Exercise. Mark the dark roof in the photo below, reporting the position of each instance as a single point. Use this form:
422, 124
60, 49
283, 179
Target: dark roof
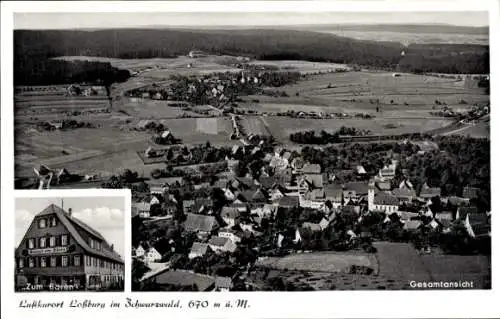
383, 186
317, 193
195, 222
289, 201
184, 278
70, 222
221, 183
385, 199
359, 187
268, 182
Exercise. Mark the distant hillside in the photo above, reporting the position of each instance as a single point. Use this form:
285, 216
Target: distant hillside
32, 48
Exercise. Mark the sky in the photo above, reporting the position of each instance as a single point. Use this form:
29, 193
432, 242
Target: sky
122, 20
104, 214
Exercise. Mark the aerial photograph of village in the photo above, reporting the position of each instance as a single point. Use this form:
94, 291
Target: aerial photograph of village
269, 151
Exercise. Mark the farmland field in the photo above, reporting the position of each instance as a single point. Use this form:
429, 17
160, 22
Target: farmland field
401, 262
322, 262
281, 127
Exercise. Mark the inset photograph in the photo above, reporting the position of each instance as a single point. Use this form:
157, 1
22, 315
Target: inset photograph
69, 243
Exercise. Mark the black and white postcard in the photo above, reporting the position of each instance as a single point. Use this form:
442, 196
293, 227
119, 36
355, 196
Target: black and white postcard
299, 155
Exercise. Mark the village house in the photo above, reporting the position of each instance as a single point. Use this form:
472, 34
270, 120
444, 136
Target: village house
152, 255
139, 251
198, 250
334, 194
388, 172
58, 248
223, 284
187, 206
381, 201
429, 192
230, 215
288, 202
231, 235
221, 244
312, 226
201, 224
142, 209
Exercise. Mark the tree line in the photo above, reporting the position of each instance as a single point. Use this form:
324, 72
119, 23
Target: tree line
259, 44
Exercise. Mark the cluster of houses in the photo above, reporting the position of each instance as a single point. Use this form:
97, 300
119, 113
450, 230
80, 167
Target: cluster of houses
294, 184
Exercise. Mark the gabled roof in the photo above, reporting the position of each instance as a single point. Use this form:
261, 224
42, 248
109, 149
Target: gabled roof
444, 215
360, 170
412, 224
268, 182
314, 194
311, 168
72, 223
333, 191
288, 201
383, 186
218, 241
359, 187
199, 248
385, 199
430, 191
195, 222
314, 180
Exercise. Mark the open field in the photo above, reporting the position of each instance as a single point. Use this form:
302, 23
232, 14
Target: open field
281, 127
322, 262
163, 68
304, 67
401, 262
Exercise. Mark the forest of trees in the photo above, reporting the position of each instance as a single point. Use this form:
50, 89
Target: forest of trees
257, 43
42, 70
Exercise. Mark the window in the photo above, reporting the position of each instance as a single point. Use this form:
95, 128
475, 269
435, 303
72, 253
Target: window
101, 264
31, 262
91, 243
43, 242
42, 223
52, 241
64, 261
64, 240
21, 262
76, 260
31, 243
94, 261
53, 261
88, 261
43, 262
53, 221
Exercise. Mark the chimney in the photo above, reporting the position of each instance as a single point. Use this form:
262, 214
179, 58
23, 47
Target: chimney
70, 212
